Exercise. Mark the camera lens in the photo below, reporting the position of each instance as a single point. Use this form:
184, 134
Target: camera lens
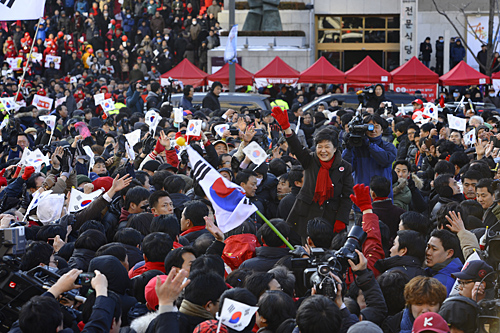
324, 269
370, 127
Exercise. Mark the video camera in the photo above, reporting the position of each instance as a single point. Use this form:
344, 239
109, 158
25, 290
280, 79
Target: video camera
316, 269
357, 131
366, 94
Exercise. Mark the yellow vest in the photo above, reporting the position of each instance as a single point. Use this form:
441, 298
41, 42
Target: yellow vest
281, 103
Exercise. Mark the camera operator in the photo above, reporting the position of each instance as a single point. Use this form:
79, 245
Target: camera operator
376, 98
43, 313
374, 156
134, 99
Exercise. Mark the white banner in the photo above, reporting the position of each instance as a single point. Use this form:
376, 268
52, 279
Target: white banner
55, 59
14, 63
42, 102
231, 205
264, 82
12, 10
133, 137
98, 98
477, 35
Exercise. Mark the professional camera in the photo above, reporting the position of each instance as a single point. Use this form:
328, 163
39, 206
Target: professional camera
315, 271
366, 94
357, 131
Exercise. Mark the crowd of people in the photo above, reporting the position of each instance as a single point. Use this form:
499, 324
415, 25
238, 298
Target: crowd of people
400, 207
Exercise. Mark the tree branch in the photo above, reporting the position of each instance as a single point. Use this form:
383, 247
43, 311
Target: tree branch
443, 13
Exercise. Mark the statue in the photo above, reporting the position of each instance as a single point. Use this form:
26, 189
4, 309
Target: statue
263, 16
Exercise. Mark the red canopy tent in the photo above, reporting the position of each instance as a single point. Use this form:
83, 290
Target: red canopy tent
414, 72
243, 77
463, 75
322, 71
413, 76
496, 76
276, 72
188, 73
367, 71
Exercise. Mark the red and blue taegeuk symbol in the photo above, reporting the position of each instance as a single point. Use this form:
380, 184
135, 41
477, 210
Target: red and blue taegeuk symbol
85, 203
151, 119
256, 153
191, 127
235, 317
225, 197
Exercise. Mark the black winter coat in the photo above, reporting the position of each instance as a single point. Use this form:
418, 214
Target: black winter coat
266, 258
211, 101
305, 208
409, 265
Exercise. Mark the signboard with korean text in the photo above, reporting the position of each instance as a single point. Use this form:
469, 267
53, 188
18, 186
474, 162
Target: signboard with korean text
429, 91
408, 31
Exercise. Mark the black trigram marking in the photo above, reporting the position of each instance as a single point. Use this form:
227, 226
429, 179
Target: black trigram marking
9, 4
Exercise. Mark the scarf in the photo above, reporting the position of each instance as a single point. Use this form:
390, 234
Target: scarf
437, 267
194, 310
324, 186
193, 229
407, 321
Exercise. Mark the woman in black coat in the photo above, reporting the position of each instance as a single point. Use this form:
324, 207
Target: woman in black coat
328, 181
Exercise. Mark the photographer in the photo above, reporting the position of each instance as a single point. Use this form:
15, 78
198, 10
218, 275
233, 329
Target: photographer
374, 156
377, 97
43, 313
134, 99
154, 100
327, 180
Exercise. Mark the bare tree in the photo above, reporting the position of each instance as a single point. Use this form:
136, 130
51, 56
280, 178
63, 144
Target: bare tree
491, 43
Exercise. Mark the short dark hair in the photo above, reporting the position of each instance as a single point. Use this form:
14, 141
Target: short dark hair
155, 196
269, 237
167, 224
141, 222
444, 167
237, 277
487, 183
128, 236
158, 178
142, 176
135, 195
36, 253
187, 89
285, 278
215, 85
471, 174
442, 185
327, 134
90, 240
40, 314
208, 263
31, 182
91, 224
258, 283
195, 211
174, 257
205, 287
376, 119
381, 186
415, 221
277, 167
156, 246
401, 126
318, 313
448, 239
320, 232
296, 174
413, 241
402, 162
243, 176
392, 283
174, 184
459, 158
115, 249
276, 306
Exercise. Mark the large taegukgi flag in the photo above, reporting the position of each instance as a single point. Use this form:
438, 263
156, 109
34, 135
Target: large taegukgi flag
231, 205
12, 10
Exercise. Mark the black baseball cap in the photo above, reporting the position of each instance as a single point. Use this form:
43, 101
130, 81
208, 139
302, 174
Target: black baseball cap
473, 270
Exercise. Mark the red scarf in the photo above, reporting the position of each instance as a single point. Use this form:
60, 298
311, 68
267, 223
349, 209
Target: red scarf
324, 186
193, 229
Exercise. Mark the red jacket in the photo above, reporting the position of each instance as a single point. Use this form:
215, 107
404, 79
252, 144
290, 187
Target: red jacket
372, 247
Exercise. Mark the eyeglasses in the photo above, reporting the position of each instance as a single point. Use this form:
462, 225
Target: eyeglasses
464, 283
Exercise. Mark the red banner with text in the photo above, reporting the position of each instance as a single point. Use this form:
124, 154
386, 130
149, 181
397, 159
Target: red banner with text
429, 91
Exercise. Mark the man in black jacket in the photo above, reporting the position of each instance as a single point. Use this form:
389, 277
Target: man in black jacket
272, 248
153, 100
211, 100
407, 254
426, 50
295, 181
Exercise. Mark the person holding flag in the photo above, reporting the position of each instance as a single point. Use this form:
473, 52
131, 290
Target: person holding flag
328, 181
